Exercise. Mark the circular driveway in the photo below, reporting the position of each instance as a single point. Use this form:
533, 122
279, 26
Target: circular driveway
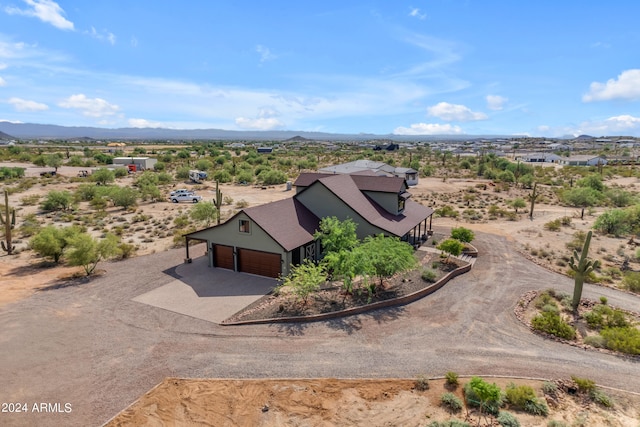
93, 346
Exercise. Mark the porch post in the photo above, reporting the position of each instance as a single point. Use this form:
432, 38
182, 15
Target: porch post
187, 260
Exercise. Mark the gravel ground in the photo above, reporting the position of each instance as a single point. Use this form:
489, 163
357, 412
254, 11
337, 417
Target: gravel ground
92, 347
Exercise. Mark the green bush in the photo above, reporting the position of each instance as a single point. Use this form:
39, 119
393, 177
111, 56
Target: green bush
446, 211
631, 281
554, 225
553, 324
506, 419
595, 341
490, 406
518, 396
451, 402
584, 385
428, 275
421, 383
452, 378
462, 234
623, 339
556, 423
549, 388
536, 407
601, 398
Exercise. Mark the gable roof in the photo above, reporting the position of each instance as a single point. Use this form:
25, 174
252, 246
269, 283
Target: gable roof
287, 221
365, 181
345, 188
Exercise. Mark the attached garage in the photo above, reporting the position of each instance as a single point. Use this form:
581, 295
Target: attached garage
260, 263
223, 256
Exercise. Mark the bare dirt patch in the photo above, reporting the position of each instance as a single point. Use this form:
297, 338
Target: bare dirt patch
329, 402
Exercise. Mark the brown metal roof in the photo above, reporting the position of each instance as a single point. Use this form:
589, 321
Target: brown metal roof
367, 181
345, 188
287, 221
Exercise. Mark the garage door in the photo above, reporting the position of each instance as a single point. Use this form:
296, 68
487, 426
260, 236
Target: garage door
260, 263
223, 256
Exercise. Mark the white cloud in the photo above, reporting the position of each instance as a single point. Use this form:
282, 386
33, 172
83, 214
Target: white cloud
626, 86
45, 10
3, 82
134, 42
265, 53
415, 13
428, 129
104, 36
95, 107
24, 105
613, 126
260, 123
143, 123
454, 112
3, 66
496, 102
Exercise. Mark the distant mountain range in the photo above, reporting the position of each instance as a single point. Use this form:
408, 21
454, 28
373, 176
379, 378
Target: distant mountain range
40, 131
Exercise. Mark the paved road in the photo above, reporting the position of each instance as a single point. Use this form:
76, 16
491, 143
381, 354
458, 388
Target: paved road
93, 347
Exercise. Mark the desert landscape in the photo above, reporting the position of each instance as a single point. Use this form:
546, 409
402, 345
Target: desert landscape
26, 276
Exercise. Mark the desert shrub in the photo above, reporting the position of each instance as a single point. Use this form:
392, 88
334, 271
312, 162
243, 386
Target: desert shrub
452, 378
631, 281
428, 275
556, 423
421, 383
240, 204
519, 395
451, 402
536, 407
222, 176
623, 339
601, 398
448, 423
595, 341
272, 177
584, 385
30, 200
545, 298
565, 220
507, 419
577, 242
126, 250
553, 324
549, 388
554, 225
604, 316
551, 308
447, 211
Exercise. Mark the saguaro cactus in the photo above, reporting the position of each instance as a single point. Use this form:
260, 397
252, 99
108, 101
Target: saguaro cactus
9, 221
533, 197
218, 201
582, 269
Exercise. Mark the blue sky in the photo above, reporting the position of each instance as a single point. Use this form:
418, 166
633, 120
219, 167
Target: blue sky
539, 68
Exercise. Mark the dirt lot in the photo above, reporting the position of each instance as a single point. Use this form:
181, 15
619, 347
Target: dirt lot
330, 402
91, 346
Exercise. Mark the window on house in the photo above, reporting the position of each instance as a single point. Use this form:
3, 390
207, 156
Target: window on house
400, 204
244, 226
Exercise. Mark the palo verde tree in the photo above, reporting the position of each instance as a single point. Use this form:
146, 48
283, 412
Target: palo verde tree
51, 241
204, 212
386, 256
462, 234
582, 268
87, 251
451, 247
338, 239
304, 279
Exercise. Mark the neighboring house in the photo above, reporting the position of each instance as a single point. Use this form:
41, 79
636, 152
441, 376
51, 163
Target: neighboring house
378, 168
539, 157
268, 239
582, 160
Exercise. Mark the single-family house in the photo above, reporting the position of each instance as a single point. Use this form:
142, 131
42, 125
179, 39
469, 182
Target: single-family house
538, 157
267, 239
582, 160
378, 168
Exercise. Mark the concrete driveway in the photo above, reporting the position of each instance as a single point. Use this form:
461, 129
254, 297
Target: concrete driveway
211, 294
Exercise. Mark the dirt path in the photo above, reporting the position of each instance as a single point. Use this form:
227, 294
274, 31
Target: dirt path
92, 347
